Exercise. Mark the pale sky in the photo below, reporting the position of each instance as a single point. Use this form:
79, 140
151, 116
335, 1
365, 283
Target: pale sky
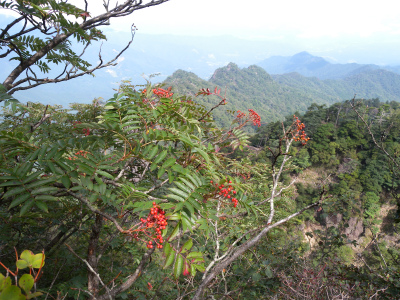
316, 24
273, 19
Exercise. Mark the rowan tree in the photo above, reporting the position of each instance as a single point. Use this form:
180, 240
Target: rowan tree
114, 192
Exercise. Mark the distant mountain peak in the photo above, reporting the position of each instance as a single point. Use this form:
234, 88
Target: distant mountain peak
233, 70
303, 54
309, 65
231, 66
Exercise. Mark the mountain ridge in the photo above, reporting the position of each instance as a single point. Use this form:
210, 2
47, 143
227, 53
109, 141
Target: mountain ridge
309, 65
276, 96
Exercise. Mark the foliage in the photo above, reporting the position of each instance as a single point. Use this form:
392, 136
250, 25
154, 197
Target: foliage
104, 186
26, 281
363, 179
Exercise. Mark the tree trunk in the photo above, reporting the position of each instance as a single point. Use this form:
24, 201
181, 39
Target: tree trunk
93, 281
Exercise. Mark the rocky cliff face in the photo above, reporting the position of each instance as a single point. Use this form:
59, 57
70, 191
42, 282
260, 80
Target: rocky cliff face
354, 230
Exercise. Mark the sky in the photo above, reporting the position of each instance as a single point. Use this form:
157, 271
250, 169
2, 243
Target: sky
314, 25
262, 19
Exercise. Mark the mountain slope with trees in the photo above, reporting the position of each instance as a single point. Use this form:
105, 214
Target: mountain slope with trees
279, 95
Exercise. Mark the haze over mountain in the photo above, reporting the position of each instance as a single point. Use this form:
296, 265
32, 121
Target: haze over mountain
276, 95
313, 66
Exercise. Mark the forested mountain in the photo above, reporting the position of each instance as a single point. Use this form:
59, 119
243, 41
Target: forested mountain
313, 66
245, 88
276, 96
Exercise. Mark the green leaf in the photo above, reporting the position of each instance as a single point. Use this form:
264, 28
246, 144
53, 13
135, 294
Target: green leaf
179, 169
41, 205
160, 157
38, 261
168, 163
28, 205
18, 200
28, 256
167, 249
187, 224
26, 282
186, 140
52, 152
178, 266
153, 166
32, 176
105, 174
175, 232
189, 207
170, 259
203, 154
187, 246
153, 152
201, 267
268, 272
183, 187
12, 293
192, 270
44, 190
66, 181
13, 192
22, 264
173, 217
195, 255
179, 192
4, 282
11, 183
40, 183
175, 197
46, 198
160, 172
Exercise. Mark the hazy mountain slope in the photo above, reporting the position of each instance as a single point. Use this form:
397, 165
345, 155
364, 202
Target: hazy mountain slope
246, 88
313, 66
368, 84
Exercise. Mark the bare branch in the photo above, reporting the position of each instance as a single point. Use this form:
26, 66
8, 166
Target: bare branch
91, 270
121, 10
43, 119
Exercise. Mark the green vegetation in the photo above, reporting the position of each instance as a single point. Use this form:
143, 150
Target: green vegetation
276, 96
144, 196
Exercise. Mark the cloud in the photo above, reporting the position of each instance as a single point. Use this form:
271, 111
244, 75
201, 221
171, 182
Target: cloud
120, 59
111, 72
211, 56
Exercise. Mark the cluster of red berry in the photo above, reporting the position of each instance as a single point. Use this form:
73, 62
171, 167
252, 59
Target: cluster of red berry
80, 152
156, 220
161, 93
240, 115
227, 192
85, 131
298, 133
255, 117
